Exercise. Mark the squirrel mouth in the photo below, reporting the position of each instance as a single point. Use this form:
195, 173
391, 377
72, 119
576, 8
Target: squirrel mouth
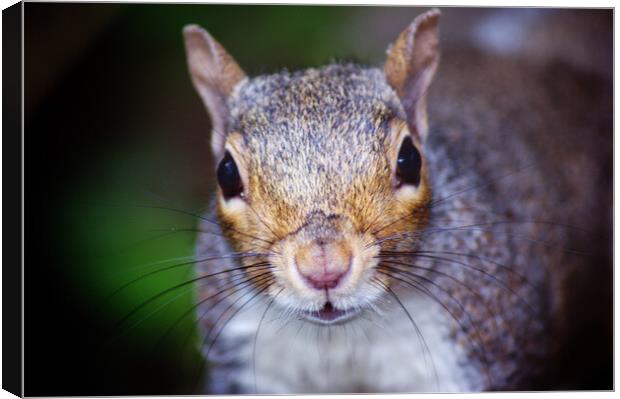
328, 314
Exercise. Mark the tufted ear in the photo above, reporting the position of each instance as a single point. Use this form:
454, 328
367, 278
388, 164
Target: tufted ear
214, 74
411, 64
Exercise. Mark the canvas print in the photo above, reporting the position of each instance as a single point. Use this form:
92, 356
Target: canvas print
235, 199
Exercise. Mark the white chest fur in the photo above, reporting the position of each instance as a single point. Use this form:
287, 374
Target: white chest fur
374, 353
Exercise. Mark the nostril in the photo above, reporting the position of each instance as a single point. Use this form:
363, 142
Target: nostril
325, 281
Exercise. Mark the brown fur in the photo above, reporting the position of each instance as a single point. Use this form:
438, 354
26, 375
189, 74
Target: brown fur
316, 151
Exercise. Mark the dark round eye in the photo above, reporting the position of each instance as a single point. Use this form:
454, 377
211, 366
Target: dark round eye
409, 163
228, 177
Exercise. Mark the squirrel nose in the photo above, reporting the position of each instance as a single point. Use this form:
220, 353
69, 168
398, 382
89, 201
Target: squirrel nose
324, 281
323, 265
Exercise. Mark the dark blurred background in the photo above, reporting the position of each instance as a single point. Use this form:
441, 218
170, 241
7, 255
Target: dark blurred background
114, 129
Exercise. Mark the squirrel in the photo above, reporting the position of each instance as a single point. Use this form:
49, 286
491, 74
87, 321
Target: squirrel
357, 244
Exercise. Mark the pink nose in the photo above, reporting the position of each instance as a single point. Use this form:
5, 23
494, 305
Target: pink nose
323, 265
324, 280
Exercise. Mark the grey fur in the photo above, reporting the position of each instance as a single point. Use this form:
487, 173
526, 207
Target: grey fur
528, 158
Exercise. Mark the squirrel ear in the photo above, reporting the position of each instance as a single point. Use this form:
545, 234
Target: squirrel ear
411, 64
214, 74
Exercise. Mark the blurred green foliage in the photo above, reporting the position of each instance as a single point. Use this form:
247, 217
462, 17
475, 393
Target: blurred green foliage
130, 250
257, 36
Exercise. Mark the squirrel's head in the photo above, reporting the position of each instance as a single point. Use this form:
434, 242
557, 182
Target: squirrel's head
323, 169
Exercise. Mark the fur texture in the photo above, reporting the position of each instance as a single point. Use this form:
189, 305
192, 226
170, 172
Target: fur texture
477, 297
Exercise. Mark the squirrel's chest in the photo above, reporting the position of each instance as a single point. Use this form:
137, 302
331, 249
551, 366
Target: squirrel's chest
384, 353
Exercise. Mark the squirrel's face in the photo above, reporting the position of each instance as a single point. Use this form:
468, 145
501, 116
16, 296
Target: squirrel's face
324, 179
322, 170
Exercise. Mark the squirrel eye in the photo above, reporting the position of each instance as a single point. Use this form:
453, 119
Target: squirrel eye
228, 177
409, 163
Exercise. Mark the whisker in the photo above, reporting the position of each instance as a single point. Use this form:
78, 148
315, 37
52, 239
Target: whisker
201, 231
199, 217
147, 316
233, 315
203, 218
425, 349
189, 263
157, 309
481, 258
480, 345
256, 337
452, 278
475, 227
119, 273
260, 219
408, 215
206, 355
171, 289
133, 245
485, 212
468, 266
547, 244
480, 185
194, 215
246, 281
227, 321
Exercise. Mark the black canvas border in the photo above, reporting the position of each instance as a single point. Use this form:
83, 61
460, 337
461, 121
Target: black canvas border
12, 287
